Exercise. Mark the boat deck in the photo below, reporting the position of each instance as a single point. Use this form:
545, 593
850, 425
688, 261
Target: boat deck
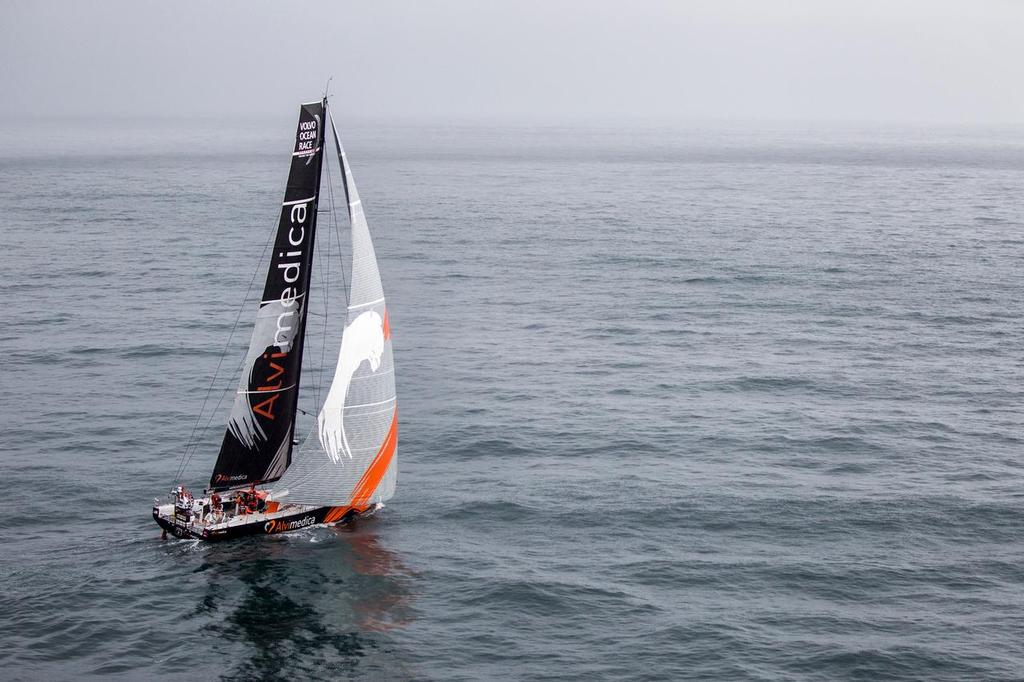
194, 523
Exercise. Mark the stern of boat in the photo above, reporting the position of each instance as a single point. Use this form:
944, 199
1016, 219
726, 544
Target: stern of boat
164, 515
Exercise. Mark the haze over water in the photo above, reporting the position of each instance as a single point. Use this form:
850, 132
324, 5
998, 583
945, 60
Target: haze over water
674, 403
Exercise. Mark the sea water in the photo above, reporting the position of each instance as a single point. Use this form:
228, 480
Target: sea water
675, 402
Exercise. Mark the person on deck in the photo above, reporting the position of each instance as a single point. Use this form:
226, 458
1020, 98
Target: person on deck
250, 499
216, 508
182, 497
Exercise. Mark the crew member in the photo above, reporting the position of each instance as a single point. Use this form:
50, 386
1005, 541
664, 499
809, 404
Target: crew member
250, 498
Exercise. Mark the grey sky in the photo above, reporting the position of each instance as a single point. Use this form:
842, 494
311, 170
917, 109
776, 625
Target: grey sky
934, 61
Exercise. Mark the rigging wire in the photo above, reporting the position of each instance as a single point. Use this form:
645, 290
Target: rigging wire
185, 455
325, 278
348, 213
213, 415
325, 259
337, 230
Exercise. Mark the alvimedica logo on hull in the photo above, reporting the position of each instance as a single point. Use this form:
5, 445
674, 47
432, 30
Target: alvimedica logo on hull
276, 526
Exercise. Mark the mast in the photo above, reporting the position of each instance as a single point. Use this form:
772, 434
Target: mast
257, 445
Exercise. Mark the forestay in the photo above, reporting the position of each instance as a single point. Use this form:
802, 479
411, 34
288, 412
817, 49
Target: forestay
350, 458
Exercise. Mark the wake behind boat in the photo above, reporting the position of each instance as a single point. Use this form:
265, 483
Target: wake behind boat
347, 465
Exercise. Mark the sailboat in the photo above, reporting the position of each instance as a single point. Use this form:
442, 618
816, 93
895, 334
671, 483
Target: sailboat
265, 480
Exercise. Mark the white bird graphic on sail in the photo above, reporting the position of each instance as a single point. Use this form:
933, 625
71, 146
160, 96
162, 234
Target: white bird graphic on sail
362, 341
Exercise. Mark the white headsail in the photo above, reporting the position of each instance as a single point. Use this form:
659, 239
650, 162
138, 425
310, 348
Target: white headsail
350, 458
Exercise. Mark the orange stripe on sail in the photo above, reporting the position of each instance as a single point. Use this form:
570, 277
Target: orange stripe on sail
386, 325
378, 467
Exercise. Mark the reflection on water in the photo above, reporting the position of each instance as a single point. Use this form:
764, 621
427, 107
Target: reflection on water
314, 602
381, 609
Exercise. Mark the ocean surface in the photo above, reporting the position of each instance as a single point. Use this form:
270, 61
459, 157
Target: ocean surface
729, 402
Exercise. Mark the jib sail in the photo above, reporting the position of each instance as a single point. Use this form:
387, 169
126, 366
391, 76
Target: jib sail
257, 446
350, 458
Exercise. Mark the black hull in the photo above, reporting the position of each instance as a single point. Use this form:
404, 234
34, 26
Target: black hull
272, 526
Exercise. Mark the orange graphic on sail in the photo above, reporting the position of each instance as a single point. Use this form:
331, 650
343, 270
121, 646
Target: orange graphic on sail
378, 467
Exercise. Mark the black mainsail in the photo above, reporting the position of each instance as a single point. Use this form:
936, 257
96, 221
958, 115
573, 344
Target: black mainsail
257, 446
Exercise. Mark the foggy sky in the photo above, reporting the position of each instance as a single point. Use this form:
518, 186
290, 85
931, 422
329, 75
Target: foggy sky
886, 61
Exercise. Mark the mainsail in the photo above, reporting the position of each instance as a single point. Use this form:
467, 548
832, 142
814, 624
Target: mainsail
257, 446
350, 458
